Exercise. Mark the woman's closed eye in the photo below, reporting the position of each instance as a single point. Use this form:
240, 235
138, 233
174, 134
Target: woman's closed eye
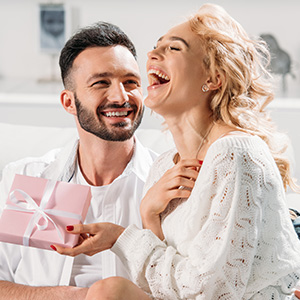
173, 48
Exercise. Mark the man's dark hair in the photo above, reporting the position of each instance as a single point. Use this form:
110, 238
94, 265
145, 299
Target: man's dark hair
101, 34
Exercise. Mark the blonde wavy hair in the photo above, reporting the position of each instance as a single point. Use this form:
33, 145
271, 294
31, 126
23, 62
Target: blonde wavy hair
246, 86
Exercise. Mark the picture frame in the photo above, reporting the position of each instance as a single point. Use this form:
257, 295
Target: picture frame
54, 27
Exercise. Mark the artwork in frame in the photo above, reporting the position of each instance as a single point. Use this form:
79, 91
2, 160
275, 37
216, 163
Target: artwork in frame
54, 27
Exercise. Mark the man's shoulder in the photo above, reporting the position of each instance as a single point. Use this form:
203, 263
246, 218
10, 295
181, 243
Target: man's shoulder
32, 166
50, 164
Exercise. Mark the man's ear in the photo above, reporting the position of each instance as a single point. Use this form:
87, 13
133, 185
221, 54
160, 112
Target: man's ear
68, 102
215, 83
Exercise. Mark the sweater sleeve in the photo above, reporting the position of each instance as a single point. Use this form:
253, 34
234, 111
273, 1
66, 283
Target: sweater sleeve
223, 218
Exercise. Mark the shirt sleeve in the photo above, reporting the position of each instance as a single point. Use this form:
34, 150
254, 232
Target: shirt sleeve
222, 243
9, 254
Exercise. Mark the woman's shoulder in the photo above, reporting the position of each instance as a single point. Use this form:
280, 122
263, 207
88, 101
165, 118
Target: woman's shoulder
238, 141
239, 145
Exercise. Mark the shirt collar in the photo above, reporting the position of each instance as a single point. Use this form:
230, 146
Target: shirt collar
64, 167
141, 161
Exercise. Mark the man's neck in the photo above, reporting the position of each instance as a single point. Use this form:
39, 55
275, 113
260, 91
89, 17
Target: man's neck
101, 162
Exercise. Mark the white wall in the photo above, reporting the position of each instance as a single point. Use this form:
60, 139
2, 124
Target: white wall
144, 21
22, 64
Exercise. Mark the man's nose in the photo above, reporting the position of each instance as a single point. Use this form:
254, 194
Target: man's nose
117, 93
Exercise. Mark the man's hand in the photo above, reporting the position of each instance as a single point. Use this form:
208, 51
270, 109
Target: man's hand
94, 238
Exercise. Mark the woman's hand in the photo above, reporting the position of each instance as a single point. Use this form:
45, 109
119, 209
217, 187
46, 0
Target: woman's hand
177, 182
94, 238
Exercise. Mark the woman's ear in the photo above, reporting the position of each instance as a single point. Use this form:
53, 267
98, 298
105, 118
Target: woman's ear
68, 102
215, 83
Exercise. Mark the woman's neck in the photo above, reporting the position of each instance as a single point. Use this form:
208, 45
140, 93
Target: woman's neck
190, 136
192, 139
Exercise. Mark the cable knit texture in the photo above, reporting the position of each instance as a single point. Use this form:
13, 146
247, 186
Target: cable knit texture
231, 239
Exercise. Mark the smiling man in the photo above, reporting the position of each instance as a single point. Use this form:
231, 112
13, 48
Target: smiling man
103, 92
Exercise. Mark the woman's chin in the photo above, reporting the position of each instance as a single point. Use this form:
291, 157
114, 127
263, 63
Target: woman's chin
151, 102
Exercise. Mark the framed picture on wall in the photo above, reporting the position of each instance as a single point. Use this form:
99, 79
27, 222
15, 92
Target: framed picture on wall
53, 27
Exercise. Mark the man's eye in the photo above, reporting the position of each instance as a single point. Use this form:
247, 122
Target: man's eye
174, 48
100, 83
131, 81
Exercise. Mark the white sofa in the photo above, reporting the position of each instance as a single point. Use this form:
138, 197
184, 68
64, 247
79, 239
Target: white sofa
18, 141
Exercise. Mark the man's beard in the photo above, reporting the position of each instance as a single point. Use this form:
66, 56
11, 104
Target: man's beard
118, 132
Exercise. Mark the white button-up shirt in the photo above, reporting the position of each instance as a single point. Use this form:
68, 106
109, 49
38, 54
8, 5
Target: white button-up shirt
118, 203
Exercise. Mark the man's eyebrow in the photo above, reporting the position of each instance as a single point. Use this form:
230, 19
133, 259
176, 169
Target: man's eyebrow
133, 74
175, 38
99, 75
110, 74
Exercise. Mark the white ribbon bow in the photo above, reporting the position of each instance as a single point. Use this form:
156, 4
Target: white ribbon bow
39, 212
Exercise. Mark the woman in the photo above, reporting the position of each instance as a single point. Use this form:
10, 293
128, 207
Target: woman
215, 205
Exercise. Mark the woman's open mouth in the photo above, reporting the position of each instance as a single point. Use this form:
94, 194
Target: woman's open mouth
157, 77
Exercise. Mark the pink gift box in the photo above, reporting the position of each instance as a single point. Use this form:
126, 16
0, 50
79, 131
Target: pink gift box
38, 210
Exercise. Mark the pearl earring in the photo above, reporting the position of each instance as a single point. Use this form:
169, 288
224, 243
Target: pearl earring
205, 88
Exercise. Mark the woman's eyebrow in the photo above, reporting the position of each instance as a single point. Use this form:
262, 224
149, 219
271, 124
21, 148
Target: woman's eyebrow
175, 38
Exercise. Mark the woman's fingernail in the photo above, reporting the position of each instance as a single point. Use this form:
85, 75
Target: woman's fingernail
70, 227
53, 247
200, 162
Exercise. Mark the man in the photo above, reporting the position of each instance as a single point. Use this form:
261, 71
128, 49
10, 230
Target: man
103, 92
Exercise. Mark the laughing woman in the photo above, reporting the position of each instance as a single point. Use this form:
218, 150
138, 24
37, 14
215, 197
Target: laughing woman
214, 212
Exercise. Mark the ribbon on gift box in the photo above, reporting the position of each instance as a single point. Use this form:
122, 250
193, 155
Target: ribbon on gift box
39, 212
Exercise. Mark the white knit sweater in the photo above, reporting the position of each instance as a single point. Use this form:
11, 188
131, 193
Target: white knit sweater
232, 239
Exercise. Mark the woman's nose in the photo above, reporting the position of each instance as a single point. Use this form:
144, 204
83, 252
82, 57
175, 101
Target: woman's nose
153, 54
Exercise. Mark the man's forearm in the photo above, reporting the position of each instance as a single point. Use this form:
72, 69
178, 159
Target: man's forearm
13, 291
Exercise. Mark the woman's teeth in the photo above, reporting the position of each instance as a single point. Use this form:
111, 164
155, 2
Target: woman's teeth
158, 76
